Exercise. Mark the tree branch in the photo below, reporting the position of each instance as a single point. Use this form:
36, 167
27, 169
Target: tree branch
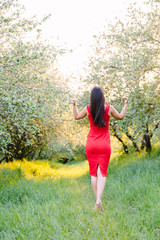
11, 65
5, 3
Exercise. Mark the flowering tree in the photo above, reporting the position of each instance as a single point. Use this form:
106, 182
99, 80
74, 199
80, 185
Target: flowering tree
28, 97
127, 62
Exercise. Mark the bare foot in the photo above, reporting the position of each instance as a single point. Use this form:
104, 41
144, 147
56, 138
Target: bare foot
97, 207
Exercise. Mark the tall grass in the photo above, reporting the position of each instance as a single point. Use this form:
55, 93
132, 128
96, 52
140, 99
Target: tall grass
44, 208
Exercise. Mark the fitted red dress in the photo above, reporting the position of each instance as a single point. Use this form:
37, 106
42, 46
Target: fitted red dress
98, 148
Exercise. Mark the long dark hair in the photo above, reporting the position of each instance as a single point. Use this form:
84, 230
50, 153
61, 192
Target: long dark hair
97, 101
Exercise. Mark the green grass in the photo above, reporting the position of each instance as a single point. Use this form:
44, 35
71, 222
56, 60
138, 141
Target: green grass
61, 208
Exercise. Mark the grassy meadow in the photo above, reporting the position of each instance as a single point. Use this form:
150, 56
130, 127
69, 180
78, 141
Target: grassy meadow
43, 200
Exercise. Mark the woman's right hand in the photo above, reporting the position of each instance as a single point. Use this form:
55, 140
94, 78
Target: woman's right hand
126, 99
74, 101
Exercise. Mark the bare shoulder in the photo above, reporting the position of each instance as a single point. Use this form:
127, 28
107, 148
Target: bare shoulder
85, 110
86, 107
110, 109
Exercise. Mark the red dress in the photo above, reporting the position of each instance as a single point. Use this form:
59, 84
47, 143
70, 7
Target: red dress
98, 149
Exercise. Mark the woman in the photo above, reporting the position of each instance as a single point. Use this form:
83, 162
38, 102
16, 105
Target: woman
98, 149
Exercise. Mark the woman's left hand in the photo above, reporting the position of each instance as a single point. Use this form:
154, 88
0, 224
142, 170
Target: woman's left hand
126, 99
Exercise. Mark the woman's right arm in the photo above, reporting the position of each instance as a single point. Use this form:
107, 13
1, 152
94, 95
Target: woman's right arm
114, 113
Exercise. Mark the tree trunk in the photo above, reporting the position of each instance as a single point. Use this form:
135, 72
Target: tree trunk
125, 148
146, 141
133, 142
124, 145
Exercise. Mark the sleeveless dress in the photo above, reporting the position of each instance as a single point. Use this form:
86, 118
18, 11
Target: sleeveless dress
98, 148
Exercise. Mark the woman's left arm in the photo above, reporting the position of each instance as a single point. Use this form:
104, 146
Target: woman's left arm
81, 114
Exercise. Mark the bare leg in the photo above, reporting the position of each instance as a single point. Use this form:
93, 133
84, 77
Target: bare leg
100, 185
94, 185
